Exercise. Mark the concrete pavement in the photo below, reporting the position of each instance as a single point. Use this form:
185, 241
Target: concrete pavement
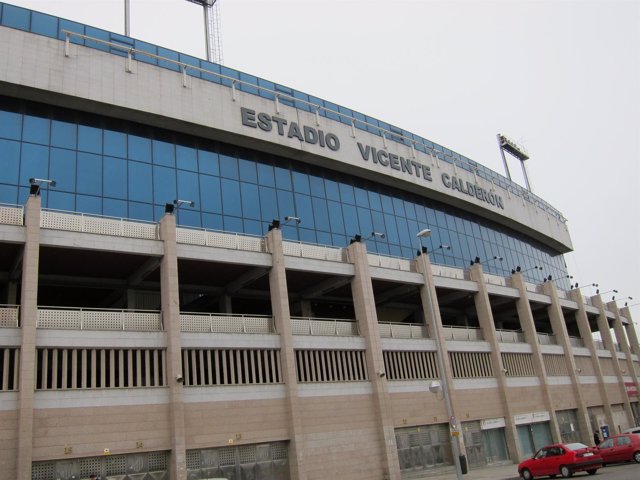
499, 472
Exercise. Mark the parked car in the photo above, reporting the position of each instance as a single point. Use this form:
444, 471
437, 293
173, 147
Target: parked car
620, 448
561, 459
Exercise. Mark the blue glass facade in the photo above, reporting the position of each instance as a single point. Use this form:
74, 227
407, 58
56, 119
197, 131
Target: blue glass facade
121, 169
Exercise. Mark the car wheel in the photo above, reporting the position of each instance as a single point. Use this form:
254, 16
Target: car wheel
636, 457
565, 471
526, 475
592, 472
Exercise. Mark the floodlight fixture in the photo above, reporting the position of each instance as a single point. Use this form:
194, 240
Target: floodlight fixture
290, 218
357, 238
179, 203
36, 183
608, 291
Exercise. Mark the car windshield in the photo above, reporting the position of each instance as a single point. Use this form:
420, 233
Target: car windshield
575, 446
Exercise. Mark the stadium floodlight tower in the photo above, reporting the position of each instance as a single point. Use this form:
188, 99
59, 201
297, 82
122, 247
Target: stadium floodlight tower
212, 29
517, 151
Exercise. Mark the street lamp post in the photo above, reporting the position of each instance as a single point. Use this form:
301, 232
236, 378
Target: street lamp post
440, 359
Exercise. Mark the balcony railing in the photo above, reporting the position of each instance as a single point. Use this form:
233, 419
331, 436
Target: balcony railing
226, 323
9, 316
403, 330
99, 319
469, 334
510, 336
384, 261
547, 339
599, 345
309, 250
11, 214
576, 342
86, 223
324, 326
212, 238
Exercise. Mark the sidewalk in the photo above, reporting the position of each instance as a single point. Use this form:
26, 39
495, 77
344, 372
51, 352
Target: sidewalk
501, 472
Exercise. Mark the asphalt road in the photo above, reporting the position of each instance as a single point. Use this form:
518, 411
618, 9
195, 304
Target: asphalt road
621, 471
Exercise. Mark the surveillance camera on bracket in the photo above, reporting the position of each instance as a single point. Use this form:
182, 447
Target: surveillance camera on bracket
179, 378
435, 386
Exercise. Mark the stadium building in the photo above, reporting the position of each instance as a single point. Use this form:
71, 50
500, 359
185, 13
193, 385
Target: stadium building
204, 274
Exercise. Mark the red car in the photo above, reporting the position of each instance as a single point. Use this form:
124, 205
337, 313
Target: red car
561, 459
620, 448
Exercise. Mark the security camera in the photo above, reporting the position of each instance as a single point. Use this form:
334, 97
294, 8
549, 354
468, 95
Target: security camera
435, 386
382, 374
179, 378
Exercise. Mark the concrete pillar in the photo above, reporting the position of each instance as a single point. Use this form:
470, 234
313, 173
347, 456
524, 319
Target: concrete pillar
562, 338
433, 321
607, 338
170, 303
282, 319
365, 309
632, 335
587, 339
618, 329
528, 326
485, 319
28, 322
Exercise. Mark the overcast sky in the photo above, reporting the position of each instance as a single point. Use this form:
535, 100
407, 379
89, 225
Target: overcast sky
560, 77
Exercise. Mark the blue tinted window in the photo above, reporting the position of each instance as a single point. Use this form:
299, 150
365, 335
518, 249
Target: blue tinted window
331, 188
188, 186
265, 175
72, 27
115, 178
139, 148
186, 158
115, 144
164, 184
301, 183
335, 219
89, 169
269, 204
212, 222
286, 204
15, 17
231, 202
44, 24
346, 194
283, 178
140, 186
364, 219
8, 194
320, 213
35, 130
317, 186
362, 198
34, 163
63, 134
232, 224
114, 208
228, 167
248, 171
89, 204
10, 155
391, 230
63, 169
304, 209
89, 139
250, 201
350, 220
188, 217
163, 153
60, 200
141, 211
210, 198
208, 162
10, 125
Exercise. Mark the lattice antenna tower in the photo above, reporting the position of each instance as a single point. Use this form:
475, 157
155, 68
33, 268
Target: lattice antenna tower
213, 29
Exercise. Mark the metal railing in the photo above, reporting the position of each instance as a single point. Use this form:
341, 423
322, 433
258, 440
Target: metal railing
386, 134
215, 238
9, 316
99, 319
11, 214
99, 224
470, 334
311, 250
226, 323
386, 261
547, 339
510, 336
403, 330
324, 326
